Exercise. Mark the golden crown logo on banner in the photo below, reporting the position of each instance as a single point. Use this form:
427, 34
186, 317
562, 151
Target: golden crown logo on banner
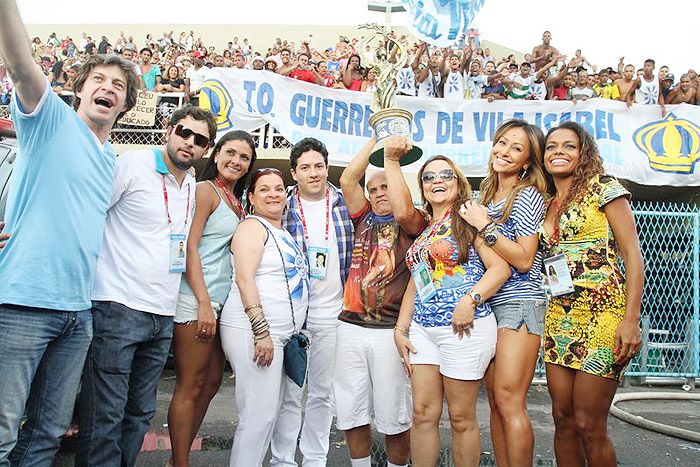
215, 98
672, 144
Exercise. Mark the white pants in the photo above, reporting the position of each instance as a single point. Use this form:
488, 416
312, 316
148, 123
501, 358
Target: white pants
370, 381
258, 395
318, 417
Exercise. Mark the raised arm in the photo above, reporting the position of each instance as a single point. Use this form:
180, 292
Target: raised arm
347, 75
405, 213
16, 53
562, 72
351, 176
544, 69
466, 57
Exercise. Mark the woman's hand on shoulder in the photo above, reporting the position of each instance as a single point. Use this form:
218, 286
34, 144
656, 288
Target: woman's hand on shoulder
475, 214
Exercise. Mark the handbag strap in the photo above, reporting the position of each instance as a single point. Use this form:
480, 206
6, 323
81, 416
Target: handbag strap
284, 271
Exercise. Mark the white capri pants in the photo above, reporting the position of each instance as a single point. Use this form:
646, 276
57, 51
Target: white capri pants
258, 395
465, 359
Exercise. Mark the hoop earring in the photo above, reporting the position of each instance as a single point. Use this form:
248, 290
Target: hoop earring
523, 173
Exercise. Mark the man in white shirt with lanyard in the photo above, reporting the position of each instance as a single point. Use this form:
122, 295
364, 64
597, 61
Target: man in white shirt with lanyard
136, 288
318, 219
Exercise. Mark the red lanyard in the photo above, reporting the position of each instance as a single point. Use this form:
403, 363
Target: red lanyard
167, 210
555, 233
230, 198
303, 219
426, 238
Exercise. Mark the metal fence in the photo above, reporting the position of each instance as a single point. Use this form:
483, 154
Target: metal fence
669, 235
670, 238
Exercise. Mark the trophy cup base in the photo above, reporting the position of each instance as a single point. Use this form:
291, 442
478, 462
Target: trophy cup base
389, 122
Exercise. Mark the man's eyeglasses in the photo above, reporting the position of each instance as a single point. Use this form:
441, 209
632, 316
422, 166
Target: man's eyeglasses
184, 133
444, 175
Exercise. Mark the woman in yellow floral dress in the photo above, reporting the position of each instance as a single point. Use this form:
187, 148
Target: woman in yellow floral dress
591, 333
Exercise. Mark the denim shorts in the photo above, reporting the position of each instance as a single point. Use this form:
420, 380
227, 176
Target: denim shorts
514, 313
187, 306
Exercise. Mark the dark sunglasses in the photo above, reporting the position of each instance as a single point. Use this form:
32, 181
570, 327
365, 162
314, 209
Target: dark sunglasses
444, 175
184, 133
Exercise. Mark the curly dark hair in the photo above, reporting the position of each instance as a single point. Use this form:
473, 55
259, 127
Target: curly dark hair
305, 145
589, 165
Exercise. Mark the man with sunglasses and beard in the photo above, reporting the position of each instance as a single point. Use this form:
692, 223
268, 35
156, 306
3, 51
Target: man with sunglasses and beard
136, 288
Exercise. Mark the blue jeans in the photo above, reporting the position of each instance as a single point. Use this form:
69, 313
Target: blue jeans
42, 353
118, 397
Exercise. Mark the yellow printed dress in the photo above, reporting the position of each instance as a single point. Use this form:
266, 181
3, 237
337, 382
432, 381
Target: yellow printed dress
579, 328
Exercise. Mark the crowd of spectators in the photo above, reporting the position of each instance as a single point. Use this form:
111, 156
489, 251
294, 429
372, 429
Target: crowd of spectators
180, 64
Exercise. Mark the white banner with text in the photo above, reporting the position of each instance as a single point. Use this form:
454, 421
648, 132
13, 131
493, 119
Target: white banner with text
637, 143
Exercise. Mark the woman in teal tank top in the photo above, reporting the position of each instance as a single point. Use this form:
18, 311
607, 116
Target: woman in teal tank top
199, 358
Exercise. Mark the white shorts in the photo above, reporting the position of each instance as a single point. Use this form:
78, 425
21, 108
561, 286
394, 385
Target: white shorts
464, 359
369, 379
187, 306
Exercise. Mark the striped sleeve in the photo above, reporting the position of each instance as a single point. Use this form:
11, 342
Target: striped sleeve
527, 212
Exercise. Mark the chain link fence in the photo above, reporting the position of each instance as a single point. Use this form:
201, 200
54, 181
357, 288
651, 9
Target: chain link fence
670, 239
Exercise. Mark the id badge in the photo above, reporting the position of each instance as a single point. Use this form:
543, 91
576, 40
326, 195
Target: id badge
318, 262
558, 275
424, 282
178, 252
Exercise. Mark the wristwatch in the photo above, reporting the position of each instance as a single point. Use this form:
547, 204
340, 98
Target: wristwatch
476, 298
489, 234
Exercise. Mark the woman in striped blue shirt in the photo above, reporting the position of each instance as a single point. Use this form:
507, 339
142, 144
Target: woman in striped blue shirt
507, 217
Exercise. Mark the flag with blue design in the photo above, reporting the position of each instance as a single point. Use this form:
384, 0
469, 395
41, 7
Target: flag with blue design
441, 23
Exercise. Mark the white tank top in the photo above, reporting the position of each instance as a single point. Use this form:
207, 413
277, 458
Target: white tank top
454, 85
406, 81
648, 92
271, 285
428, 88
538, 90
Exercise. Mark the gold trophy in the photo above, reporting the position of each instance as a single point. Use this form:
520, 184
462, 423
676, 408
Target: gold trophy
387, 120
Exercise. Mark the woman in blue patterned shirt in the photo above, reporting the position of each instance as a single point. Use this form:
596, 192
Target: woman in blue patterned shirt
452, 330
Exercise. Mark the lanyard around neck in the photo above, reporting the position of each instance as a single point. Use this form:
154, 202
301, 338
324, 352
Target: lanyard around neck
303, 218
237, 203
167, 209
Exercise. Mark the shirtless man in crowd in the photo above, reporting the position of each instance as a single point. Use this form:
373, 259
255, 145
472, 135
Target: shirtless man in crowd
625, 83
543, 53
684, 93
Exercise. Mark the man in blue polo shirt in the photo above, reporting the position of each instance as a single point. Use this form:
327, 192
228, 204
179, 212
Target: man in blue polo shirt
60, 190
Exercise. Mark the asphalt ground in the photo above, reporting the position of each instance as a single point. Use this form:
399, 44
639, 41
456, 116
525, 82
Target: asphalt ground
635, 446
